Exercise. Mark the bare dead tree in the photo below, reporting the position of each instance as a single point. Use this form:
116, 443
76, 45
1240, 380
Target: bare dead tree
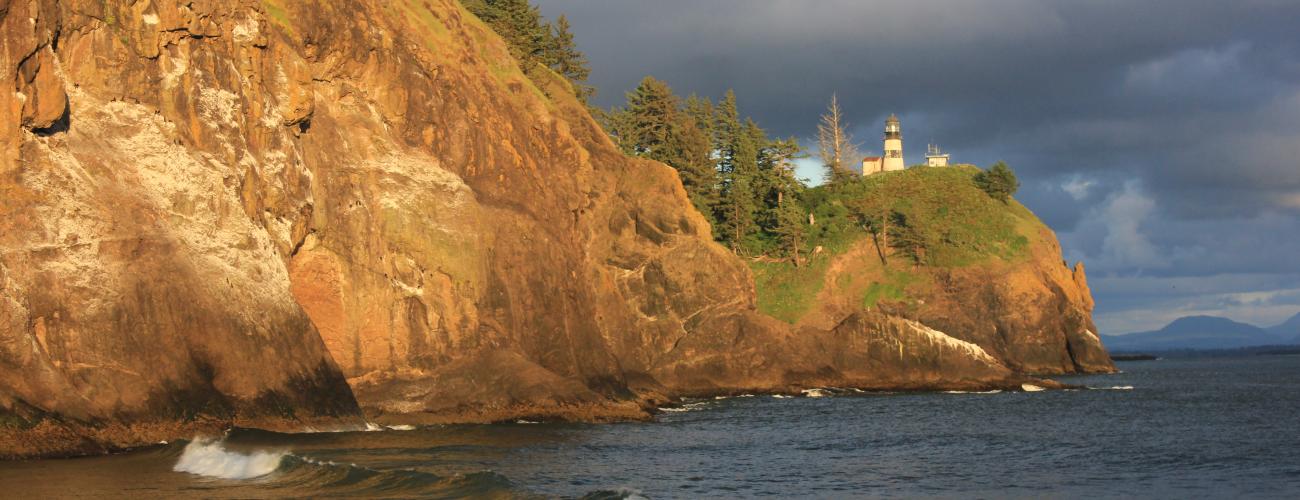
835, 145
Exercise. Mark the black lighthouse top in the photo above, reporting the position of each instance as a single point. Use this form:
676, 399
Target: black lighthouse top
892, 129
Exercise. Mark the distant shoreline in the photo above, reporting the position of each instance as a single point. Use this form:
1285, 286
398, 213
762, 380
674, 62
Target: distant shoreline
1150, 355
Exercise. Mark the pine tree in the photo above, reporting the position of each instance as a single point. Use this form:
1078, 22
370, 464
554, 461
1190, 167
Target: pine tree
701, 110
519, 23
617, 122
738, 165
654, 126
533, 41
789, 219
653, 109
564, 57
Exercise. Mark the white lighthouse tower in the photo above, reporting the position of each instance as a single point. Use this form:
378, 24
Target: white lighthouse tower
893, 145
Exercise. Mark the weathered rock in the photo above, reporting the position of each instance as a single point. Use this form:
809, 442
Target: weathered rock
251, 201
1032, 313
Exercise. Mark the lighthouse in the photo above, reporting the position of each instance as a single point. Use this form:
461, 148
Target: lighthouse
893, 159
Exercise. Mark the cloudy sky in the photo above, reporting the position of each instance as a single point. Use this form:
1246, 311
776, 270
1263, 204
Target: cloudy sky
1159, 138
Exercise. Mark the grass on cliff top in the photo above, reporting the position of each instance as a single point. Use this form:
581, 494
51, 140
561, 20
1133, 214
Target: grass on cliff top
959, 225
786, 292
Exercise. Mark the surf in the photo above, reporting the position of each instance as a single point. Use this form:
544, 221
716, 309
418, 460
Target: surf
209, 457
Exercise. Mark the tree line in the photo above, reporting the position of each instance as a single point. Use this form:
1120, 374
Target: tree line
741, 179
534, 42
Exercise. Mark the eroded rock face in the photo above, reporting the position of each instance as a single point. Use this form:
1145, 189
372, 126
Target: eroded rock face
240, 204
1034, 315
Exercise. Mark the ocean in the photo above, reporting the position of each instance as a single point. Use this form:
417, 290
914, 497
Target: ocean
1172, 428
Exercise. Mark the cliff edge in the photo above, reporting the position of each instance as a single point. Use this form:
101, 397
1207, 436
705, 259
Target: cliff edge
297, 215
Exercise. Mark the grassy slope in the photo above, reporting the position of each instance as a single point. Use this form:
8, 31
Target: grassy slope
962, 225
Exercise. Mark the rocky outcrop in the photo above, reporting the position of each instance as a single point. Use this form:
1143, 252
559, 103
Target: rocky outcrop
1032, 313
248, 213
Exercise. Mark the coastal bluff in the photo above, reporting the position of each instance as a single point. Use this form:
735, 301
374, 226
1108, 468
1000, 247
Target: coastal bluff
314, 215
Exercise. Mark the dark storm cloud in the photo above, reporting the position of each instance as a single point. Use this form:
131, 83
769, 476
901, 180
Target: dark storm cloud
1162, 138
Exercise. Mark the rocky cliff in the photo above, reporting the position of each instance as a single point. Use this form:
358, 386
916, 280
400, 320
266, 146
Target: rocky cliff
990, 273
305, 214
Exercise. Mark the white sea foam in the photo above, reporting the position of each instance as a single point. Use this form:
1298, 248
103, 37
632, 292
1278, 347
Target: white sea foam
780, 396
1114, 388
208, 457
687, 407
1031, 388
526, 422
994, 391
402, 427
816, 393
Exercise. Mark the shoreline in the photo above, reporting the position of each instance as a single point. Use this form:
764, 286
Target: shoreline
60, 440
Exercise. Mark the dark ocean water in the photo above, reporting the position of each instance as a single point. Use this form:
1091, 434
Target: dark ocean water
1217, 427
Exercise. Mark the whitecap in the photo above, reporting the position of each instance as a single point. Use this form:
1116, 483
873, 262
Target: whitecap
816, 393
1031, 388
994, 391
1114, 388
208, 457
781, 396
401, 427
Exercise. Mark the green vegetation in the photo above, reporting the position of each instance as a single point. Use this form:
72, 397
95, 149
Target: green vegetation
743, 182
893, 288
535, 43
999, 182
786, 292
920, 218
739, 178
934, 216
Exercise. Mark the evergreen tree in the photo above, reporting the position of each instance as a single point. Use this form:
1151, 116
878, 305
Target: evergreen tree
654, 126
563, 57
789, 219
653, 111
533, 41
519, 23
701, 110
998, 181
738, 165
791, 227
698, 172
617, 122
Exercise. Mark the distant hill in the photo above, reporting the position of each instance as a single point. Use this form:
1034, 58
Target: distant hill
1289, 329
1196, 332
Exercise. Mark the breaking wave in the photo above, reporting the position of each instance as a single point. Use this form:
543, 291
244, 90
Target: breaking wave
209, 457
994, 391
1113, 388
291, 475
